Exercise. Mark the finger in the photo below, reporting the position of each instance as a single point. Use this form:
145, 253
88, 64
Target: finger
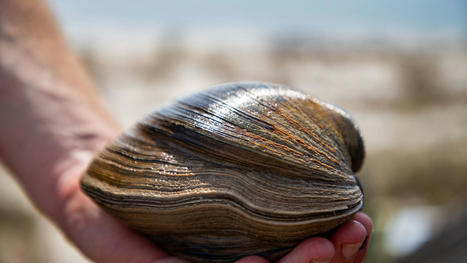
102, 238
252, 259
347, 240
315, 249
365, 220
368, 224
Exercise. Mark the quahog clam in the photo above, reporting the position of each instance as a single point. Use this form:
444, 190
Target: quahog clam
241, 169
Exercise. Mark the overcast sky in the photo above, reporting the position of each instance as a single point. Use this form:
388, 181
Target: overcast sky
365, 17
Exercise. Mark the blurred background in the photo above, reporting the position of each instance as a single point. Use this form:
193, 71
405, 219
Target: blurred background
399, 67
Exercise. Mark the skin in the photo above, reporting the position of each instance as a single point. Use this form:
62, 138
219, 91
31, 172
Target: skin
54, 122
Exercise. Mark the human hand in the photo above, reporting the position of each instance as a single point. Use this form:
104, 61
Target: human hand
53, 121
347, 244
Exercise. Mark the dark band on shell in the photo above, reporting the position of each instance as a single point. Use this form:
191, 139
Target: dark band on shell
241, 169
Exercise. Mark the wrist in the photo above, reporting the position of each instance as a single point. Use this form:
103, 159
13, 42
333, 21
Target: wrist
49, 132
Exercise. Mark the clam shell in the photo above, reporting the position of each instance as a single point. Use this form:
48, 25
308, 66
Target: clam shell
241, 169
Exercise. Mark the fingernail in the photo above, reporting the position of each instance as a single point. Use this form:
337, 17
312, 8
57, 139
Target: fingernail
349, 250
364, 243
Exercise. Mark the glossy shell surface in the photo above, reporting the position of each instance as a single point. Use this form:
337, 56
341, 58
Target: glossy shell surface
240, 169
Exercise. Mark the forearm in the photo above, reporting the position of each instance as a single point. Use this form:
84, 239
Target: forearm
52, 121
29, 26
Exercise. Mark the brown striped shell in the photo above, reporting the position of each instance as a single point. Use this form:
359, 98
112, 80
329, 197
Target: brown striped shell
241, 169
